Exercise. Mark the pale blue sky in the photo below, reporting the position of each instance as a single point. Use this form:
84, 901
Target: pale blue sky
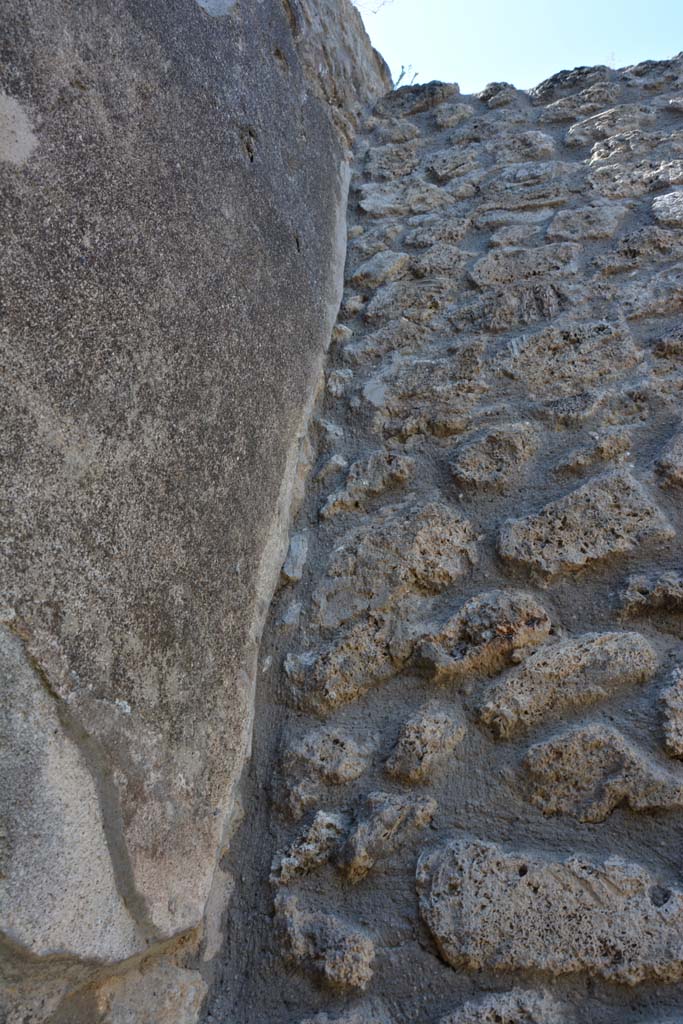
519, 41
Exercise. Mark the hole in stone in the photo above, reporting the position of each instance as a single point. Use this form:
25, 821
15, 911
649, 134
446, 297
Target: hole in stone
248, 136
523, 871
659, 895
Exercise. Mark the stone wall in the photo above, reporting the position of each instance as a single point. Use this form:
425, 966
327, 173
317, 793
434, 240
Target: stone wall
466, 796
463, 799
173, 182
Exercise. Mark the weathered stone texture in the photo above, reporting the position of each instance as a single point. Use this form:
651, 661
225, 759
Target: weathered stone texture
379, 828
477, 632
672, 700
487, 908
499, 636
511, 1008
340, 954
670, 465
149, 996
160, 212
566, 675
496, 458
311, 849
59, 892
324, 756
590, 771
424, 743
367, 478
490, 632
661, 592
608, 516
406, 550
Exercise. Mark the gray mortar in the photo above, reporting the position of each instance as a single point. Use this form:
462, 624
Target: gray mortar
481, 792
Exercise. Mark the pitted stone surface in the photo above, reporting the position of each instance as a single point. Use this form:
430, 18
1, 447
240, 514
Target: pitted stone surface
380, 826
608, 516
598, 221
522, 1007
497, 627
496, 458
654, 593
511, 308
670, 465
491, 631
612, 446
382, 267
424, 743
406, 550
567, 675
312, 848
520, 264
585, 102
589, 772
342, 672
326, 756
429, 395
392, 160
490, 909
326, 945
672, 701
568, 358
608, 123
367, 478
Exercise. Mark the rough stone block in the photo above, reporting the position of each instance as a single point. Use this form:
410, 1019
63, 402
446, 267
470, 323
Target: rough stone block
670, 464
491, 631
568, 358
566, 675
367, 478
60, 893
325, 756
157, 993
495, 458
672, 702
493, 910
608, 516
515, 265
405, 549
380, 827
655, 592
518, 1007
668, 209
310, 850
424, 743
590, 771
341, 955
